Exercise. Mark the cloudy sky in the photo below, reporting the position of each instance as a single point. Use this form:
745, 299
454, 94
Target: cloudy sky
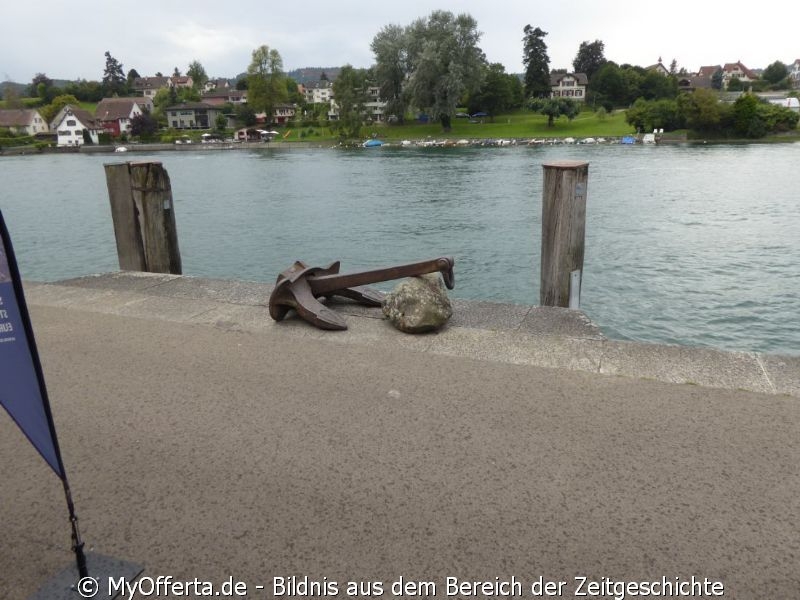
67, 40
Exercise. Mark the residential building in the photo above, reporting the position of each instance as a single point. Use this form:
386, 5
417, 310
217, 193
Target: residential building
115, 114
216, 84
149, 86
794, 73
569, 85
375, 107
659, 68
23, 121
180, 81
707, 72
192, 115
319, 92
70, 124
736, 70
222, 96
283, 113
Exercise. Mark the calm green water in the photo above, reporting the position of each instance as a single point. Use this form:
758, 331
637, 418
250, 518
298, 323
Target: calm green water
695, 245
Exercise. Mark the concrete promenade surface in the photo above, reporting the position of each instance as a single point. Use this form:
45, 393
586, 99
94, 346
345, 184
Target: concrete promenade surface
205, 441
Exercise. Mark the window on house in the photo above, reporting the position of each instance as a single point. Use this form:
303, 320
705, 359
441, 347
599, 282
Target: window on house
71, 123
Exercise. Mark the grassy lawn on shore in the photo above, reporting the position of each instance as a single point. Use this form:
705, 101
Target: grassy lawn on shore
519, 124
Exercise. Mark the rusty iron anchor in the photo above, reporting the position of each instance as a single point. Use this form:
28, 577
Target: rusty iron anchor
300, 286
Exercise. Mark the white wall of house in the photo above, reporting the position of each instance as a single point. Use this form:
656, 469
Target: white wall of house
568, 87
733, 71
37, 124
375, 107
125, 124
70, 131
24, 121
318, 95
794, 73
181, 119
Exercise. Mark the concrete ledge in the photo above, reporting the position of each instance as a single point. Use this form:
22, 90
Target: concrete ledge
540, 336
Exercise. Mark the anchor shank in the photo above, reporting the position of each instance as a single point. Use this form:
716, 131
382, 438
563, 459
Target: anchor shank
325, 284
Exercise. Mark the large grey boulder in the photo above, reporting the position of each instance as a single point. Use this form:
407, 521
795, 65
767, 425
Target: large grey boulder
418, 304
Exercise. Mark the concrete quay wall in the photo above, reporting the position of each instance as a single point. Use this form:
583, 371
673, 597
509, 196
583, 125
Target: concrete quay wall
506, 333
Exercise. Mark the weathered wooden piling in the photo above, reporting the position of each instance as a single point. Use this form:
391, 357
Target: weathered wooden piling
563, 231
144, 217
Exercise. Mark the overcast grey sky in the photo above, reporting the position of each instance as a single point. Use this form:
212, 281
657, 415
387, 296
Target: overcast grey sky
67, 40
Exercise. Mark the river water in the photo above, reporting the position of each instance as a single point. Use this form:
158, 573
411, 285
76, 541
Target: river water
696, 245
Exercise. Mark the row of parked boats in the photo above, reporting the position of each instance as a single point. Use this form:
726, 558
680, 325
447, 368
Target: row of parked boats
628, 139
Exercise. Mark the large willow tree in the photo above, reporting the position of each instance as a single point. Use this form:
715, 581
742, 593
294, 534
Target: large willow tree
432, 64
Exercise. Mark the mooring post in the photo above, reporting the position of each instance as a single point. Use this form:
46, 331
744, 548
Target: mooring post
563, 232
144, 217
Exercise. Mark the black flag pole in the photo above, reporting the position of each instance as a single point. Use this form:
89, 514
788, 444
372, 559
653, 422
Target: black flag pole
77, 543
10, 263
23, 394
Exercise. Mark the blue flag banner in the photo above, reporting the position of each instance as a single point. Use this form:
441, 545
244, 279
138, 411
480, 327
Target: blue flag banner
22, 389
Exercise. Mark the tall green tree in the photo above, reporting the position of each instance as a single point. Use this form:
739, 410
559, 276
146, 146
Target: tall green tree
445, 63
114, 81
775, 73
350, 94
607, 87
537, 63
44, 88
390, 47
293, 92
197, 73
164, 98
245, 115
590, 58
266, 85
132, 76
673, 67
654, 86
498, 93
701, 110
